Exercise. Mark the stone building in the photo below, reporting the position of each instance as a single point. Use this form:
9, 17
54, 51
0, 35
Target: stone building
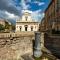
26, 23
52, 16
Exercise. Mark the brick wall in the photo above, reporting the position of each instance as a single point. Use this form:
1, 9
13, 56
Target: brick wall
53, 44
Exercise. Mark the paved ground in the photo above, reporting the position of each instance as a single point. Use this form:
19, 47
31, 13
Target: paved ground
27, 57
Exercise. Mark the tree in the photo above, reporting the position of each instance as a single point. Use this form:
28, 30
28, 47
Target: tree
7, 25
2, 27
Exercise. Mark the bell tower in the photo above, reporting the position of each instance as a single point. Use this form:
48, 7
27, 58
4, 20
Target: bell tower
26, 16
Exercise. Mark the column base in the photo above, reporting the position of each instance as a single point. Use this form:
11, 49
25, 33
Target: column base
37, 53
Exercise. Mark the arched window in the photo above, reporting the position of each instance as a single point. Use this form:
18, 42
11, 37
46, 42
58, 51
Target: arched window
26, 26
20, 28
26, 18
31, 28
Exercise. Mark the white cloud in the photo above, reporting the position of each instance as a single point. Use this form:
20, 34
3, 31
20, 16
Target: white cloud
7, 15
37, 11
8, 10
39, 3
37, 15
28, 0
10, 16
28, 6
9, 5
23, 4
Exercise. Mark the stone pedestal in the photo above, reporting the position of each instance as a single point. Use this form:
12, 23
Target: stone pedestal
37, 47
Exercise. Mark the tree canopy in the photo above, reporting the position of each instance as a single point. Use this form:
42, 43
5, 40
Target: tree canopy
1, 27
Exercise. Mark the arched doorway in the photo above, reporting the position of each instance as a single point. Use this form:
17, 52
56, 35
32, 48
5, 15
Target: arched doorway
31, 28
26, 26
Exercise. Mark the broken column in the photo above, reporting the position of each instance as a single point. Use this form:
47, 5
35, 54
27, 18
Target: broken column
37, 47
42, 40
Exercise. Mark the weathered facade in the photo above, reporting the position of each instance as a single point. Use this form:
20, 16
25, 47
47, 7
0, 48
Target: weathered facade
52, 16
52, 43
26, 23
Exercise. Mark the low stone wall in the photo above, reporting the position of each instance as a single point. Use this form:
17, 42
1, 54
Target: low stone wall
18, 34
15, 45
52, 42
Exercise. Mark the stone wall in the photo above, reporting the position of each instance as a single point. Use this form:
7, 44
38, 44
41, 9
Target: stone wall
52, 42
15, 45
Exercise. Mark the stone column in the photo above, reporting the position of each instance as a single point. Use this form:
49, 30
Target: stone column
37, 47
42, 40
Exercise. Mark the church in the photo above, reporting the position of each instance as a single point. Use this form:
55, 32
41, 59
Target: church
26, 23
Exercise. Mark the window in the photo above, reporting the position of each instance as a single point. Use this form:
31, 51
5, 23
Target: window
26, 27
26, 18
20, 28
58, 3
31, 28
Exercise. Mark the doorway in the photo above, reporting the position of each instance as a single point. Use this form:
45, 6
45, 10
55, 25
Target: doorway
26, 27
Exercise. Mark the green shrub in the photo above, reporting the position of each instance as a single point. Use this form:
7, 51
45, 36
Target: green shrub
2, 27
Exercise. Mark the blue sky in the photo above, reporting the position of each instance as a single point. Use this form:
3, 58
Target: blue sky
11, 9
34, 4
